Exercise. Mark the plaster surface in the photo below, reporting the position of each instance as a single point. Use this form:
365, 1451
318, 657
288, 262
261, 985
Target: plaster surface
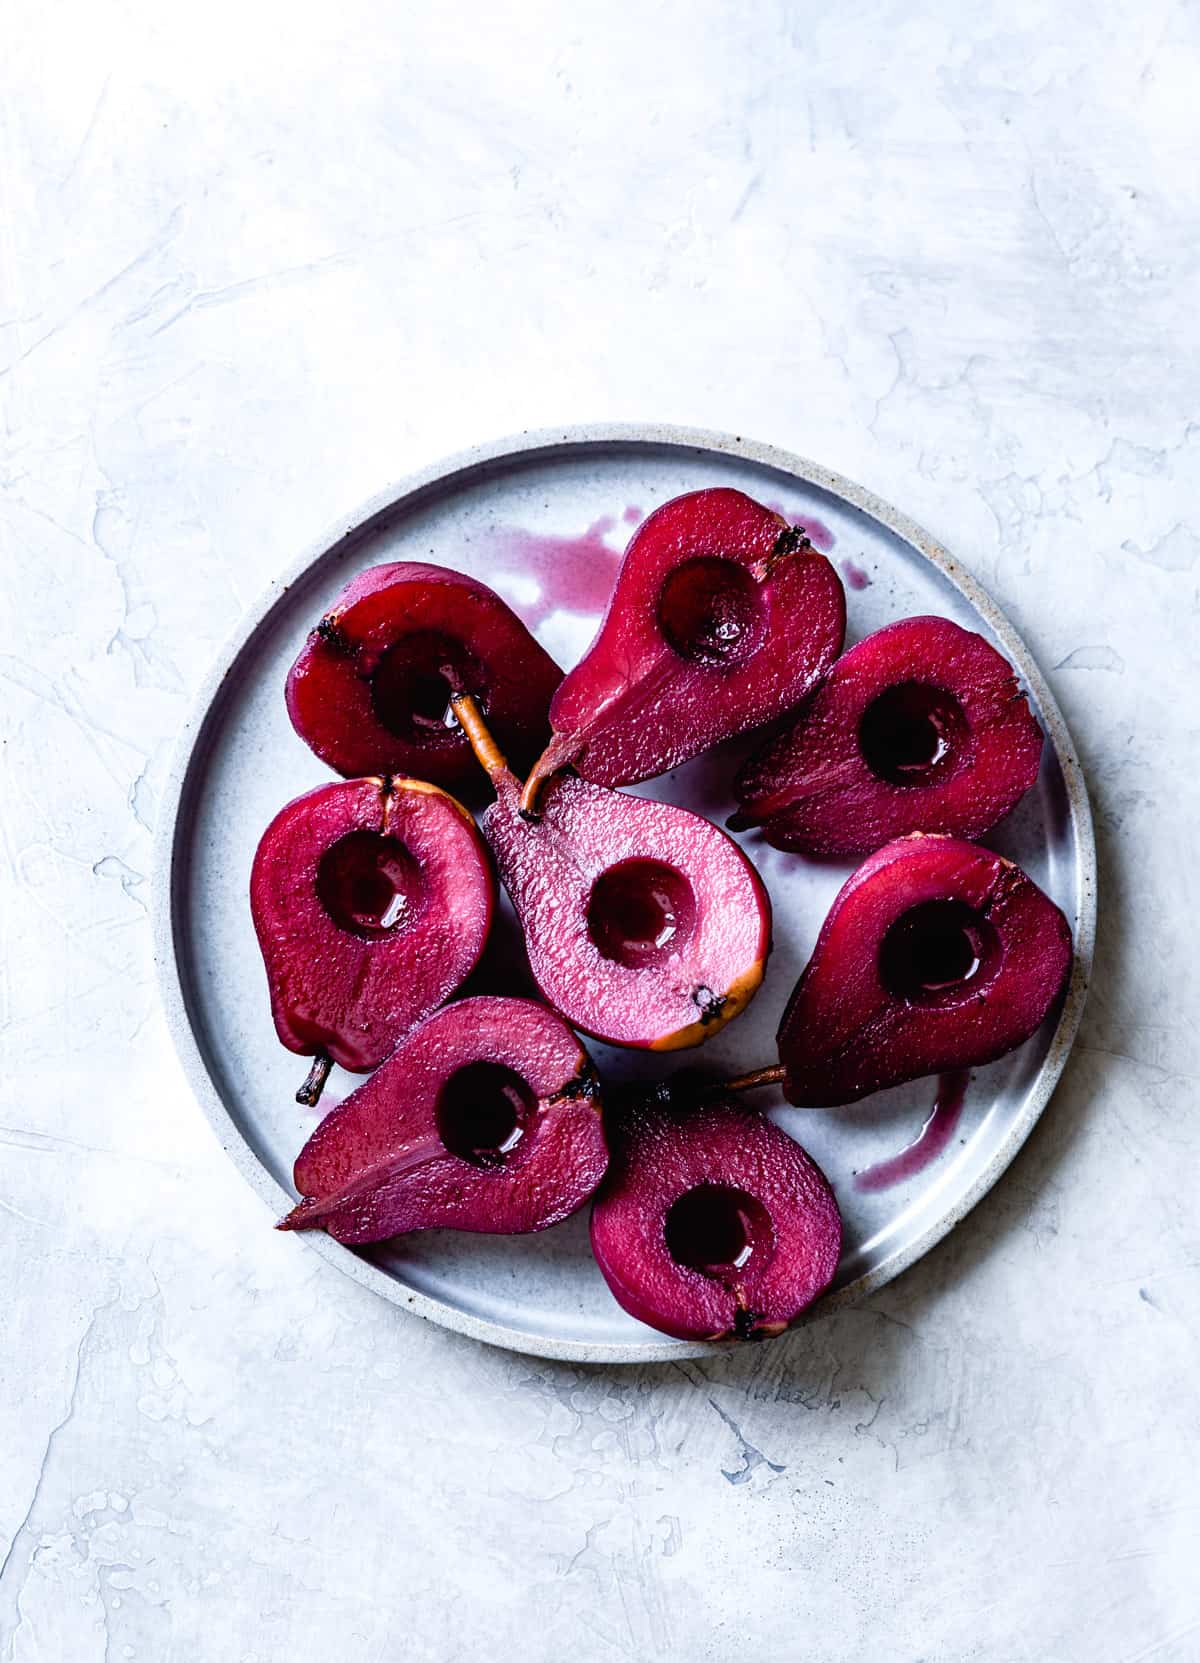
254, 263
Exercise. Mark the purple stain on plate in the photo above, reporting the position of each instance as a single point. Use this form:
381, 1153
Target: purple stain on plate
574, 574
632, 515
856, 577
818, 533
929, 1142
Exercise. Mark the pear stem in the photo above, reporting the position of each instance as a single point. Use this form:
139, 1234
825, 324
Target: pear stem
533, 787
774, 1076
310, 1092
560, 753
470, 719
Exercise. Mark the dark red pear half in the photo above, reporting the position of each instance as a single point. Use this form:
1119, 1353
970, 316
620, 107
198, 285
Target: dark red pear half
723, 616
645, 925
921, 727
372, 901
486, 1118
713, 1223
936, 955
371, 688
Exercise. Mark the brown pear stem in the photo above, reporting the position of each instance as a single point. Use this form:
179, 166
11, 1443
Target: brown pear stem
774, 1076
562, 752
310, 1092
470, 719
543, 769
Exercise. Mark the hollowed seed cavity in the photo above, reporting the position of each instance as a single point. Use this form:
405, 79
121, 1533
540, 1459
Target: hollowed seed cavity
938, 952
483, 1112
912, 733
413, 683
641, 911
710, 610
370, 885
720, 1231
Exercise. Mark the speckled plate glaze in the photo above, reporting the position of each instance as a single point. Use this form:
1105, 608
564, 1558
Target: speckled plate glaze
543, 518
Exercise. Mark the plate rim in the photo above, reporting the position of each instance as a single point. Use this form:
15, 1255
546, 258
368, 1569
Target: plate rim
477, 458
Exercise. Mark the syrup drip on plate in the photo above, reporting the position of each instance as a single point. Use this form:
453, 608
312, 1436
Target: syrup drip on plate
933, 1138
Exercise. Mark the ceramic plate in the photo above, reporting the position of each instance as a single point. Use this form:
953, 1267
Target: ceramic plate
543, 519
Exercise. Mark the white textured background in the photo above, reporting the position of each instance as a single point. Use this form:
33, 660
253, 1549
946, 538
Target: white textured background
253, 264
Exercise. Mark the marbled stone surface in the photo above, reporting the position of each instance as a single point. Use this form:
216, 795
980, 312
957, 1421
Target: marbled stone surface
255, 261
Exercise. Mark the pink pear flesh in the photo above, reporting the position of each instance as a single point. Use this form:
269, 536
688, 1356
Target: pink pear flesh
407, 874
387, 1160
712, 1222
722, 618
370, 690
662, 966
936, 955
920, 727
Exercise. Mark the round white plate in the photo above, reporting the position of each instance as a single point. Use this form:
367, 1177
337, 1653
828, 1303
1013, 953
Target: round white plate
543, 518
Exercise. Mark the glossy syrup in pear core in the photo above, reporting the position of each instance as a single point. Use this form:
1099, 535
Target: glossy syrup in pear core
719, 1229
483, 1111
933, 1138
369, 884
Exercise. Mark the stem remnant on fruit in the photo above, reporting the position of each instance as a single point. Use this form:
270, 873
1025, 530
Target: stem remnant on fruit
745, 1322
560, 753
334, 636
470, 720
310, 1092
774, 1076
709, 1004
793, 539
